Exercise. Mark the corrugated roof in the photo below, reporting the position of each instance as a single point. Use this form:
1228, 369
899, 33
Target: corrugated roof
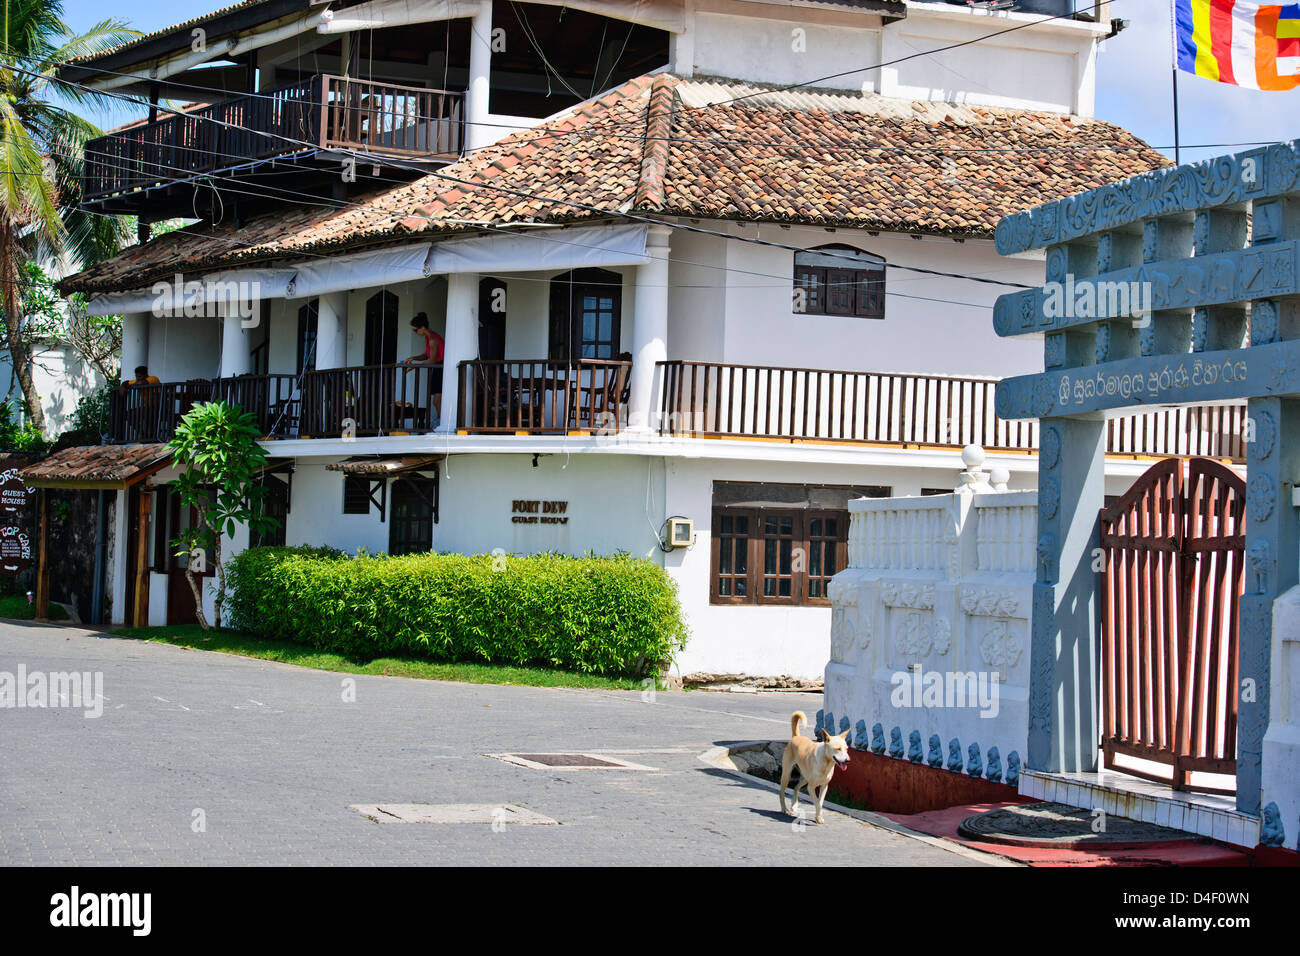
184, 25
383, 466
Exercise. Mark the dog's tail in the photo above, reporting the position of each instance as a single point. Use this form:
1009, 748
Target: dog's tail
797, 720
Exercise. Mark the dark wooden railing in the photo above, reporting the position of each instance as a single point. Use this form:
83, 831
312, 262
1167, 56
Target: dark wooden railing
380, 399
384, 118
714, 400
320, 112
543, 396
370, 400
699, 399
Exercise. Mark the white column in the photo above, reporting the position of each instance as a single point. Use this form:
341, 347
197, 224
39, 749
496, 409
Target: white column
332, 331
649, 331
460, 343
477, 133
135, 342
235, 358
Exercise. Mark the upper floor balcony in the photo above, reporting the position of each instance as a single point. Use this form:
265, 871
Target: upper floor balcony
153, 165
698, 400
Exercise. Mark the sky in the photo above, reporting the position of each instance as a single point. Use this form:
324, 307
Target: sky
1134, 82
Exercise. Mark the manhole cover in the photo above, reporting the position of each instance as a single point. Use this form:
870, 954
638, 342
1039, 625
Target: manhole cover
568, 761
494, 813
1056, 824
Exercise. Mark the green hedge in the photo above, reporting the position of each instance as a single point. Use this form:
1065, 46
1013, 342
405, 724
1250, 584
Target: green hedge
615, 615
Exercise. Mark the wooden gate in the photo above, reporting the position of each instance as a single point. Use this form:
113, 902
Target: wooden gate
1171, 587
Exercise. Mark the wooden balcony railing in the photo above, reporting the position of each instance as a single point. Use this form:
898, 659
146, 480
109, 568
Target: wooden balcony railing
380, 399
370, 400
700, 400
543, 396
320, 112
714, 400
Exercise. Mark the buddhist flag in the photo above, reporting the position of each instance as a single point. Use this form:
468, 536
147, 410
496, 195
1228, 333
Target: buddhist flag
1242, 42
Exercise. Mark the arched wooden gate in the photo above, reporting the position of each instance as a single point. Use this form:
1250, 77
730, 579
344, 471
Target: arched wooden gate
1171, 586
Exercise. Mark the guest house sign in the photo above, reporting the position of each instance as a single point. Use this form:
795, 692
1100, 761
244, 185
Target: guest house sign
524, 511
1174, 287
13, 493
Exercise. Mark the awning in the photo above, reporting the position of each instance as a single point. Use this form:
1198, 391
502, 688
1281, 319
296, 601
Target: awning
539, 249
97, 466
380, 466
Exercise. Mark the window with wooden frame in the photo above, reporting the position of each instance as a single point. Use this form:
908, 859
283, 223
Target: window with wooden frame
585, 315
839, 280
774, 556
779, 544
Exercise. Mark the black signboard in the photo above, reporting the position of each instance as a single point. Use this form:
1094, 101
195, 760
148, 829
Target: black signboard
13, 493
15, 550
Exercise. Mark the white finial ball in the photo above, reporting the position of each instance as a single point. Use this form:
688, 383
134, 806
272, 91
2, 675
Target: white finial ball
999, 476
972, 456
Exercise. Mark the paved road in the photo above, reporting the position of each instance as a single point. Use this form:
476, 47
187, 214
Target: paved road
273, 757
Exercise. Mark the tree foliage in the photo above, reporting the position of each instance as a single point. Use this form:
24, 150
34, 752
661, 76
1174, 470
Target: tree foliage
217, 454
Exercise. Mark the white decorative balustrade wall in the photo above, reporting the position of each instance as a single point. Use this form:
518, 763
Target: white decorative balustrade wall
930, 628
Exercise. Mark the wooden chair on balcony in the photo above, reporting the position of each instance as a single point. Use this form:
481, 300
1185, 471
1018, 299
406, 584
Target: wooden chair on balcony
598, 404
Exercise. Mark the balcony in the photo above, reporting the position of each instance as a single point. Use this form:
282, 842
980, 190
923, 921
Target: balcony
699, 400
298, 120
757, 402
543, 396
331, 403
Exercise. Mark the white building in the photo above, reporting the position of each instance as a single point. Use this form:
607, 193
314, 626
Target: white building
693, 296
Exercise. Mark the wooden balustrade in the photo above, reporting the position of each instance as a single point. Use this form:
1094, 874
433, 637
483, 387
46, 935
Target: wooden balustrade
380, 399
718, 400
699, 399
370, 400
543, 396
715, 400
318, 112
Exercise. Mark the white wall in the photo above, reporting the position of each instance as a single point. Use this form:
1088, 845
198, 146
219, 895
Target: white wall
760, 640
182, 348
1048, 66
932, 324
1281, 757
61, 378
937, 588
802, 44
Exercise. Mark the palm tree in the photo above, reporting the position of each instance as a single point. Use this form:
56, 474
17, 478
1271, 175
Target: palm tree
41, 142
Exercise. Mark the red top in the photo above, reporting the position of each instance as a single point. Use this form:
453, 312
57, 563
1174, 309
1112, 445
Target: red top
428, 347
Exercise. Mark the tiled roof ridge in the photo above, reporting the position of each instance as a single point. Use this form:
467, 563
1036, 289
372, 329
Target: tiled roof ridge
658, 129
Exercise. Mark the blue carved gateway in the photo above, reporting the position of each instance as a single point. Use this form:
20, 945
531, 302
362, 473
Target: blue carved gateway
1178, 286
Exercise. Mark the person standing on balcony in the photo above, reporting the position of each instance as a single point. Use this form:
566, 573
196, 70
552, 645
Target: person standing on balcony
432, 355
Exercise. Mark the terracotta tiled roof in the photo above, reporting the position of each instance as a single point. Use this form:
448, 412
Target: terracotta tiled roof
662, 145
108, 464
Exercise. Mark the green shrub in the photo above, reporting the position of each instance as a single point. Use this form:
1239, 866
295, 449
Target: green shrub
615, 615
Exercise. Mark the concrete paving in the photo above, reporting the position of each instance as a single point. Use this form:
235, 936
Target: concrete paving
202, 759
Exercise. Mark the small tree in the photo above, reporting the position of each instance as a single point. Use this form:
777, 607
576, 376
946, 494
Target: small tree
218, 456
